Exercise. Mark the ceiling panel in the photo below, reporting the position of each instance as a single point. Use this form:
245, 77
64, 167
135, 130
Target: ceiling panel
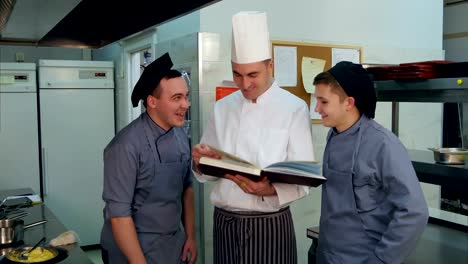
89, 23
31, 19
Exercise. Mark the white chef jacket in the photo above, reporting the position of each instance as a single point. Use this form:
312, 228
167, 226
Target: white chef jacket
275, 128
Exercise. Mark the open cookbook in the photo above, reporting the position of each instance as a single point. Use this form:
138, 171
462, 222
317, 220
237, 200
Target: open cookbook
293, 172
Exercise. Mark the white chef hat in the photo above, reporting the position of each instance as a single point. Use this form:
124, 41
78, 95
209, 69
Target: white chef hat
250, 37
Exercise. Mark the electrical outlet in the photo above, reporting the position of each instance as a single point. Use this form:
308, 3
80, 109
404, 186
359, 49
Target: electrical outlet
19, 56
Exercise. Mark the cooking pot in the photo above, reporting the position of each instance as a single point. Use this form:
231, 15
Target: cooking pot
12, 230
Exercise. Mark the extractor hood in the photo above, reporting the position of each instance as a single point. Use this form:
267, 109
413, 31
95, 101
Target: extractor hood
94, 23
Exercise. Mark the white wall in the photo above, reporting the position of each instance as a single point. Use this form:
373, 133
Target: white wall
179, 27
34, 54
399, 26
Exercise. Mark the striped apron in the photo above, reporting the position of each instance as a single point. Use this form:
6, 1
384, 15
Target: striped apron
254, 237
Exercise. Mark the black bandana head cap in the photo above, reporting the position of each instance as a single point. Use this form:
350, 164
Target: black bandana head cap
357, 83
149, 80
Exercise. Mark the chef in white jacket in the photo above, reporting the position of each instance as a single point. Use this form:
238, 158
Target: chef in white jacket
261, 123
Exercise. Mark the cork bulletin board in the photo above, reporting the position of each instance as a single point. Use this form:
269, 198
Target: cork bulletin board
311, 50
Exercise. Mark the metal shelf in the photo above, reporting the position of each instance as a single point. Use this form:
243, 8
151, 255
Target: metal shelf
433, 90
441, 90
431, 172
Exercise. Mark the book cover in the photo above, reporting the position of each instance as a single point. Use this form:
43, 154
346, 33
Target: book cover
292, 172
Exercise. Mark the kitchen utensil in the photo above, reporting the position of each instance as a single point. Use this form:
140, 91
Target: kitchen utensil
449, 155
25, 255
12, 231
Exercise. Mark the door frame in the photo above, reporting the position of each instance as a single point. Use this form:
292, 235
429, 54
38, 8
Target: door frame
131, 48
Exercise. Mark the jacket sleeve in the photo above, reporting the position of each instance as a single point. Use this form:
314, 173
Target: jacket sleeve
300, 147
120, 175
404, 193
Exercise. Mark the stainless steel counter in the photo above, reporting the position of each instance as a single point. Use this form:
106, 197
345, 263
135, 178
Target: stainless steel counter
438, 244
50, 230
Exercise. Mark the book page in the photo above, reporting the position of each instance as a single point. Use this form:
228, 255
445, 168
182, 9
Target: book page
305, 168
296, 162
294, 172
228, 156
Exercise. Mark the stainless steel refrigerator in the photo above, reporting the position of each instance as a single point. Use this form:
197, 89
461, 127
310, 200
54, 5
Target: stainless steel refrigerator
19, 149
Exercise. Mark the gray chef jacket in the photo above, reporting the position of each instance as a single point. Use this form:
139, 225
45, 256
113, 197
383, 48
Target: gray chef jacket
373, 208
146, 171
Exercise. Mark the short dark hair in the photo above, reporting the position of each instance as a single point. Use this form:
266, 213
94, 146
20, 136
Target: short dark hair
170, 74
328, 79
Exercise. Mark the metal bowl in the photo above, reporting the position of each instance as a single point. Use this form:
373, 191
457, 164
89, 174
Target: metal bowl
449, 155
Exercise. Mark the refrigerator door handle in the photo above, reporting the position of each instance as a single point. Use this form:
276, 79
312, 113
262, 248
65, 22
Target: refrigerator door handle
0, 112
44, 171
